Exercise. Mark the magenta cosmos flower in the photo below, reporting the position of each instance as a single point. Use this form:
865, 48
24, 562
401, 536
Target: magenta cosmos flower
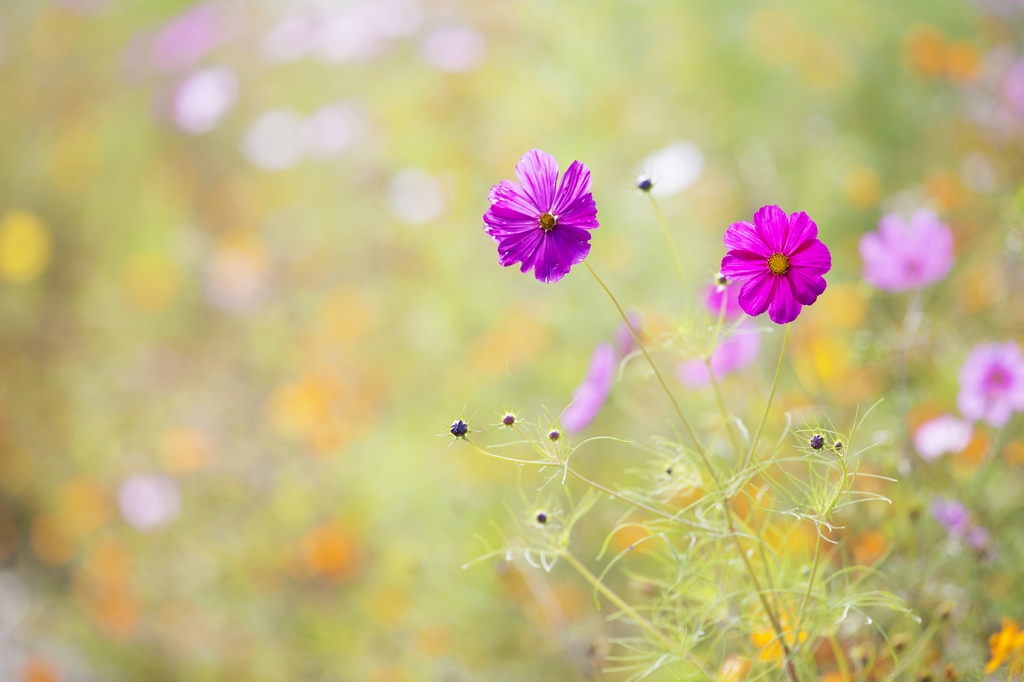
905, 254
992, 383
590, 396
539, 223
779, 261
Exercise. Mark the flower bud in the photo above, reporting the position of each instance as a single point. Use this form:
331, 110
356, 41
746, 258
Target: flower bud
644, 184
555, 435
509, 419
459, 428
817, 441
541, 518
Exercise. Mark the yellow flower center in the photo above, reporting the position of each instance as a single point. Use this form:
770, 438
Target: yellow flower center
778, 264
548, 222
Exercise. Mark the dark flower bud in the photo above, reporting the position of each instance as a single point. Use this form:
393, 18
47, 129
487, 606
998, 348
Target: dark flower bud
817, 442
509, 419
555, 434
644, 184
668, 470
459, 428
721, 280
838, 445
541, 518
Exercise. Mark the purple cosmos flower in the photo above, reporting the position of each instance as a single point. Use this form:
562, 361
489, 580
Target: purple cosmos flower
942, 435
951, 514
992, 383
539, 223
713, 296
734, 353
979, 538
589, 397
907, 254
624, 343
779, 261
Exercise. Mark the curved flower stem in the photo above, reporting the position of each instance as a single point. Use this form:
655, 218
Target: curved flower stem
771, 396
810, 583
506, 459
671, 243
772, 616
616, 599
654, 368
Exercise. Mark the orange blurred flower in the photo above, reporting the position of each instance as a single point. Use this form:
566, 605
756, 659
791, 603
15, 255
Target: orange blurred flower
330, 551
869, 547
1009, 641
924, 51
963, 63
38, 670
947, 189
184, 450
734, 669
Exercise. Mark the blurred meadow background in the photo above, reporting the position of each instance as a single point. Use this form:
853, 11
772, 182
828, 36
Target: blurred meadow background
244, 285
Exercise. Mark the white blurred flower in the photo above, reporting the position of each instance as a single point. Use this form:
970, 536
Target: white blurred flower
417, 196
290, 40
347, 37
274, 141
396, 18
203, 98
331, 129
942, 435
454, 49
148, 501
674, 168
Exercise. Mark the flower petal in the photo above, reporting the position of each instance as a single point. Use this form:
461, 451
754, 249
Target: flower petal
581, 213
590, 396
740, 266
538, 174
801, 229
784, 307
813, 257
743, 236
772, 226
806, 286
575, 183
757, 293
509, 200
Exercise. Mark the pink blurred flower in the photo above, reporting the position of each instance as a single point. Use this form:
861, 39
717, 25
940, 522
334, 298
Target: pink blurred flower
290, 40
1013, 89
203, 99
624, 343
185, 40
713, 296
904, 254
992, 383
454, 49
590, 396
942, 435
331, 129
737, 351
149, 500
952, 514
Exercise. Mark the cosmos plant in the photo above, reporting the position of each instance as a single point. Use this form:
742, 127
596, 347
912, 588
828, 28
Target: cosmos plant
721, 598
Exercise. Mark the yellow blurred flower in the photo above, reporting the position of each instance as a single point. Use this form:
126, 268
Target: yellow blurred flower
50, 541
1009, 641
150, 281
862, 187
25, 246
299, 409
947, 189
734, 669
1013, 453
963, 63
83, 506
924, 50
184, 450
330, 551
768, 645
75, 158
869, 547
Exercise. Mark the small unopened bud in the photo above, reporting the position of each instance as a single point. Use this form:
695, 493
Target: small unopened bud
541, 517
459, 428
555, 434
817, 441
509, 419
838, 445
721, 280
644, 184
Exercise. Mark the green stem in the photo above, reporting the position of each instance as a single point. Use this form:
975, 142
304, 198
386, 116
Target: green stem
505, 459
654, 368
771, 396
671, 244
616, 599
